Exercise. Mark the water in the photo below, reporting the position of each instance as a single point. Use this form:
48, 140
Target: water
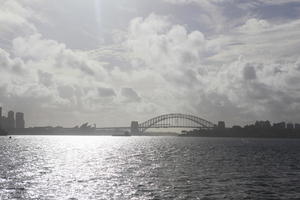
66, 167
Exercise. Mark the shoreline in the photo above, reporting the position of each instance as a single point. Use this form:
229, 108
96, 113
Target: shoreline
160, 135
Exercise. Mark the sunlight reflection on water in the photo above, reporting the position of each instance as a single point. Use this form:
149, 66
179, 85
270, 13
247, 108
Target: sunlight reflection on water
75, 167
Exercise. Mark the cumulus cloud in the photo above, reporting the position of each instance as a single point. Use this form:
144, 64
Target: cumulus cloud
43, 77
241, 87
157, 42
15, 20
254, 25
11, 65
158, 64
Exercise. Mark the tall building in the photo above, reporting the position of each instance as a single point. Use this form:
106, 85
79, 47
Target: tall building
11, 120
290, 126
280, 125
4, 122
262, 124
20, 122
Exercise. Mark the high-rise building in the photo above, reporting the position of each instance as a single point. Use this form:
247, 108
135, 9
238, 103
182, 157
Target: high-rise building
20, 122
290, 126
11, 120
262, 124
4, 122
280, 125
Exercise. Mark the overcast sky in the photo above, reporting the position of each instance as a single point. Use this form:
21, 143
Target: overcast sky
64, 62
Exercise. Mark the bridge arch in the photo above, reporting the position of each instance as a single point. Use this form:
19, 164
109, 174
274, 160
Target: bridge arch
154, 122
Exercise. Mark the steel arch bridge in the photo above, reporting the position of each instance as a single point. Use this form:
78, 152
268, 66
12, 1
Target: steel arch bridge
175, 120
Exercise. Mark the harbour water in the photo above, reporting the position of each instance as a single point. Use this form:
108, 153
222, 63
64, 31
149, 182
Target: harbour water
91, 167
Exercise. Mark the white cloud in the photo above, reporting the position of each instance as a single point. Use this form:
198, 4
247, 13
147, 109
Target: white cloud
242, 88
254, 25
278, 2
156, 66
157, 42
130, 95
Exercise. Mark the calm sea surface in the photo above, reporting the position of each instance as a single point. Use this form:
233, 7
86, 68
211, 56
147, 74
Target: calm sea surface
91, 167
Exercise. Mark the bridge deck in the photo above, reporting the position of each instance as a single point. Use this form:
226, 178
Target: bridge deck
164, 126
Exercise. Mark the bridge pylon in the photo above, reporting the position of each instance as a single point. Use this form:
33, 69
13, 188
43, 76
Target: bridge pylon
134, 128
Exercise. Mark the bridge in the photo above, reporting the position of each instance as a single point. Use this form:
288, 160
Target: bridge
174, 120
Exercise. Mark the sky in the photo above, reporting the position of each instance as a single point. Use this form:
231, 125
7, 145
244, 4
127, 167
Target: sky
66, 62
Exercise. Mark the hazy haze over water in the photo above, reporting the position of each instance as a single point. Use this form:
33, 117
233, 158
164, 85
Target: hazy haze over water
75, 167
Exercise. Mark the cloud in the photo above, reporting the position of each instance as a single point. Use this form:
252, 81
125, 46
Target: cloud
254, 25
278, 2
249, 72
211, 12
156, 42
259, 40
269, 2
8, 65
45, 78
235, 67
130, 95
15, 20
106, 92
244, 87
51, 82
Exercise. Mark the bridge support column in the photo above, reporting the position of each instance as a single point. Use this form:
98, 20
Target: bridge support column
134, 128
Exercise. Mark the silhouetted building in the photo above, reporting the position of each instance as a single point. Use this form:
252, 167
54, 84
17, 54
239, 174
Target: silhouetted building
11, 120
20, 122
235, 127
263, 124
280, 125
4, 122
221, 124
297, 126
250, 126
290, 126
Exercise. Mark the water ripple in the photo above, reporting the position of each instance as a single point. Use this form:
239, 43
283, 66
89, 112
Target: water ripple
148, 168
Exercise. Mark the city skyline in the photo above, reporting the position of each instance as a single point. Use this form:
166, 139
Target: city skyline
17, 121
110, 62
12, 120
